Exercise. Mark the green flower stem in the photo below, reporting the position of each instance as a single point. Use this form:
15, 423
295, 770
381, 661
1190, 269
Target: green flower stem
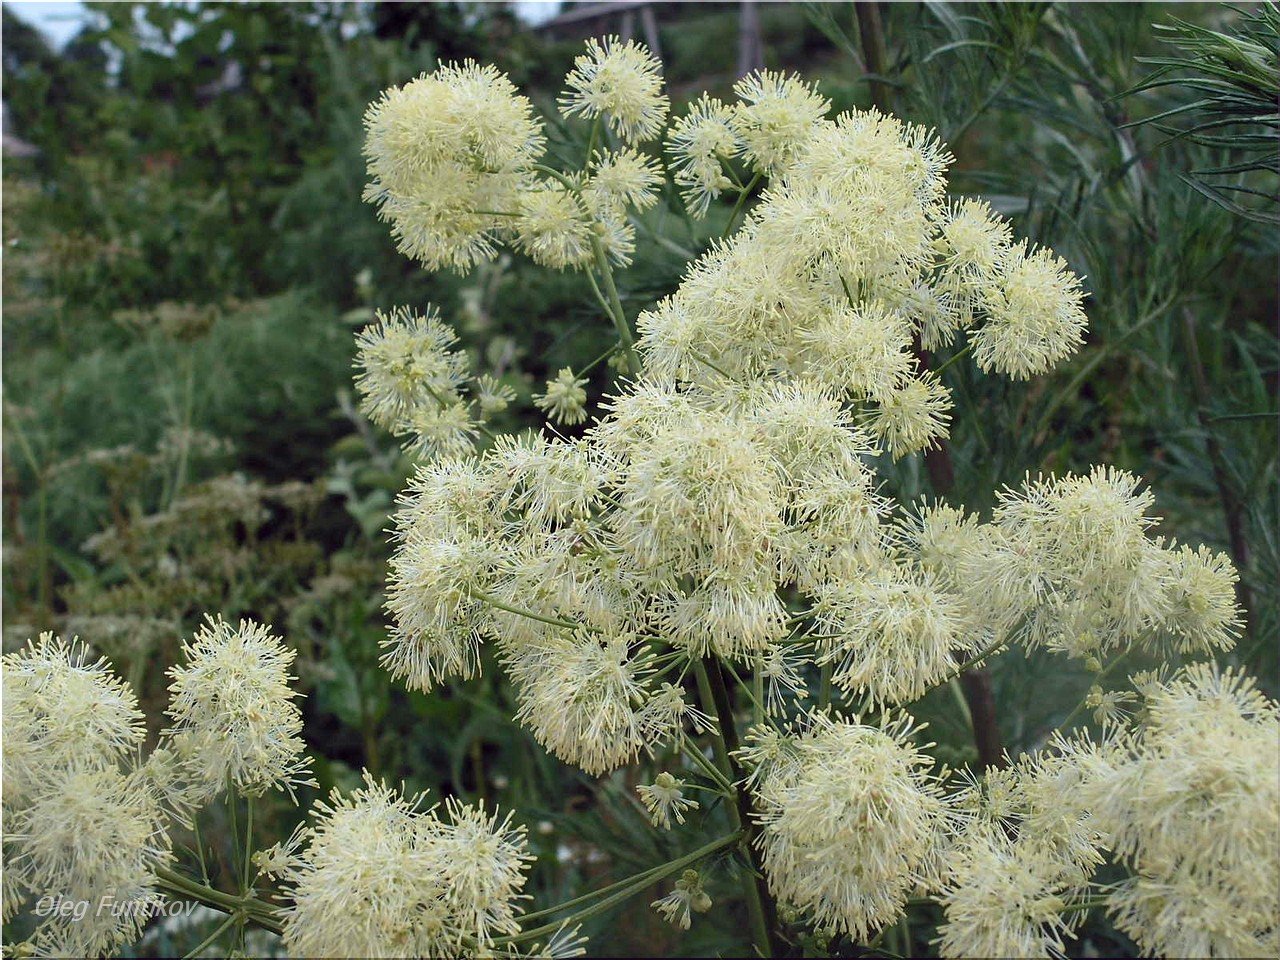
1085, 905
234, 819
710, 770
595, 136
598, 360
973, 661
217, 932
706, 362
256, 911
742, 199
623, 889
248, 847
756, 699
714, 694
619, 317
195, 830
604, 304
557, 176
824, 688
520, 612
953, 358
1098, 678
848, 294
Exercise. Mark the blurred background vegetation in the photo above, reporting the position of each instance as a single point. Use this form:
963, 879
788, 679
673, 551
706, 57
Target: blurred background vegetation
187, 259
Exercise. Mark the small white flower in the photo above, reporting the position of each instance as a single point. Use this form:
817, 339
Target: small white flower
664, 799
687, 896
564, 399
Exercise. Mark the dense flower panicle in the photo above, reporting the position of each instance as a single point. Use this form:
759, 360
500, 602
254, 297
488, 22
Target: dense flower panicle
734, 617
775, 118
564, 400
382, 877
700, 144
1035, 316
870, 189
1182, 916
448, 154
436, 617
583, 698
1003, 899
1025, 849
620, 82
939, 537
92, 832
1070, 559
734, 481
80, 821
974, 244
483, 858
451, 498
699, 496
864, 352
407, 364
839, 529
848, 817
232, 710
1193, 805
936, 313
566, 577
61, 709
549, 482
891, 635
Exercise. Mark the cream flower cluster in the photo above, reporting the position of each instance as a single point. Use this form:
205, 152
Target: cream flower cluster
453, 158
1191, 801
1068, 562
724, 504
383, 877
88, 822
85, 817
722, 509
81, 820
1188, 799
852, 256
769, 124
681, 518
1021, 848
449, 155
233, 714
850, 815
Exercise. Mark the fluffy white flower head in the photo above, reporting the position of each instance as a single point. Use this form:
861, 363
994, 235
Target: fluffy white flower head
233, 710
848, 818
621, 82
447, 154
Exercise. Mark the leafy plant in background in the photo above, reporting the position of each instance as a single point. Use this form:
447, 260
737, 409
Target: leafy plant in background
740, 524
1234, 75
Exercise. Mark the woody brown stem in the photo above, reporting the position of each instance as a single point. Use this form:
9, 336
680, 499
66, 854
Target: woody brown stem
976, 684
